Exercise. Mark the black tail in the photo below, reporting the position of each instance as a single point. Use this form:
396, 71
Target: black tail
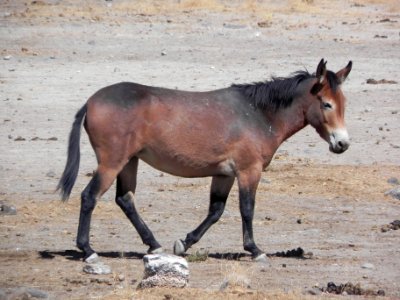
70, 174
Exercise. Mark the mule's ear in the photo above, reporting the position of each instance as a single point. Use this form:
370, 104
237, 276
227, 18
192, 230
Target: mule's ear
321, 71
343, 73
320, 74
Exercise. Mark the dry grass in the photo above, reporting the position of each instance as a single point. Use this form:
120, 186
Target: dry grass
95, 11
299, 178
200, 294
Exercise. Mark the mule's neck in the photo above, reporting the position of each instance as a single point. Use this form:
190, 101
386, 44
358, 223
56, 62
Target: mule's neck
286, 122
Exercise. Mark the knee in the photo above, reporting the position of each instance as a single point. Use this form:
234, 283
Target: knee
125, 202
87, 202
216, 213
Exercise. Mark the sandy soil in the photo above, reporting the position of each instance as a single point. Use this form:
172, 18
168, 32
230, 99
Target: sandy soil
55, 54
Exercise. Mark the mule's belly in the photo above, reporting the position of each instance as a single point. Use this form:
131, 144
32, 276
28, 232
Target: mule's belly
182, 165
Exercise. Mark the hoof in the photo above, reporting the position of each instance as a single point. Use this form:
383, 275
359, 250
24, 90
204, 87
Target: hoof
156, 251
179, 248
262, 258
92, 259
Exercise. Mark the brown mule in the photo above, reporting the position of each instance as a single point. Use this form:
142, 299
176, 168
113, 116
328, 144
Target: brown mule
228, 133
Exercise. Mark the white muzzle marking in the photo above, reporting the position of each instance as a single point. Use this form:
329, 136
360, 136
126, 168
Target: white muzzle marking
339, 140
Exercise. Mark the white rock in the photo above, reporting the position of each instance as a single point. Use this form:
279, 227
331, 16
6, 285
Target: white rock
395, 193
164, 270
368, 266
98, 269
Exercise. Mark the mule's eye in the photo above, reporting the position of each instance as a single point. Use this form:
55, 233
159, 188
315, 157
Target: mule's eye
326, 105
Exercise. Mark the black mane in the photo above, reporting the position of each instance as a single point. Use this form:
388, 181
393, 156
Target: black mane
276, 93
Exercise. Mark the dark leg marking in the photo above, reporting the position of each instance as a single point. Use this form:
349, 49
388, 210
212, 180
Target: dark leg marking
88, 203
220, 188
126, 186
128, 207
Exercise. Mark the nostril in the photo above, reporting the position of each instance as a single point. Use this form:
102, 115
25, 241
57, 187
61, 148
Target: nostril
343, 145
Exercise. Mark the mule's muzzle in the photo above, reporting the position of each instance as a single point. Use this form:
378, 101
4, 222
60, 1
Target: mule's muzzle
339, 141
340, 147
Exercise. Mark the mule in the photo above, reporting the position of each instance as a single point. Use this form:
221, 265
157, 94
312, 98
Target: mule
226, 134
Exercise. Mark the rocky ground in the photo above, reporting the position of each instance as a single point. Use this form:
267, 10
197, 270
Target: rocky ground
55, 54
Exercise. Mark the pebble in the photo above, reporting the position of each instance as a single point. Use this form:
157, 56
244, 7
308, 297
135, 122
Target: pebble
368, 266
393, 180
51, 174
315, 291
395, 192
97, 268
121, 277
3, 294
7, 209
7, 57
25, 293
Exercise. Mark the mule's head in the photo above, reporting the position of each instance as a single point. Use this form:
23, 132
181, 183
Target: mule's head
326, 113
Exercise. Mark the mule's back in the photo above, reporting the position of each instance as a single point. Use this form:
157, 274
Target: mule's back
183, 133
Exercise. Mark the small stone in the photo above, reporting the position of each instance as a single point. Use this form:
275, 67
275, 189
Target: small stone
368, 266
26, 293
314, 291
7, 209
121, 277
395, 192
19, 139
163, 53
97, 268
35, 293
3, 295
393, 180
7, 57
51, 174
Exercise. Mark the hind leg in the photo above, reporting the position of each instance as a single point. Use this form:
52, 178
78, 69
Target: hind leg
99, 184
220, 188
126, 186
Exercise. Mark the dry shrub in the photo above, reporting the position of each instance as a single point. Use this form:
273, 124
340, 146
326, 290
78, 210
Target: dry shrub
235, 275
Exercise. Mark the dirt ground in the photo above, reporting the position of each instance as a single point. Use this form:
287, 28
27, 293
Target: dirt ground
55, 54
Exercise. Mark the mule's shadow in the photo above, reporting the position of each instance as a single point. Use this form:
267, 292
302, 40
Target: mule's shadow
228, 255
77, 255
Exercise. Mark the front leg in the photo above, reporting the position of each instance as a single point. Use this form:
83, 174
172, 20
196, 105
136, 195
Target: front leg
248, 182
220, 188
